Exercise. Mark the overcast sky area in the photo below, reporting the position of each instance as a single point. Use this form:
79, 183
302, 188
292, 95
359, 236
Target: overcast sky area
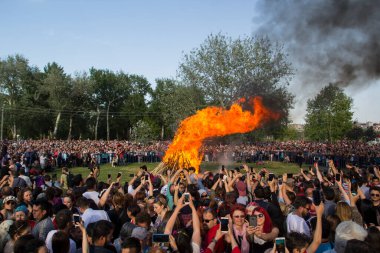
149, 38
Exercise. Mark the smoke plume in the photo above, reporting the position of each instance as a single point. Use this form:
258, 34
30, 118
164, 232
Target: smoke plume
327, 40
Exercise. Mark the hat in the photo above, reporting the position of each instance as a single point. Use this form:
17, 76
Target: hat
241, 187
139, 233
10, 198
22, 208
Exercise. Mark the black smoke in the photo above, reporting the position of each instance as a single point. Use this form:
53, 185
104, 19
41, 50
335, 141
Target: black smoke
327, 40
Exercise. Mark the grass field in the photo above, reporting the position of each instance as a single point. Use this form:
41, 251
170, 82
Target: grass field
105, 169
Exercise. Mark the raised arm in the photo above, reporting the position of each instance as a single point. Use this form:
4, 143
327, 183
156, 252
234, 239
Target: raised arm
103, 199
317, 238
319, 175
169, 226
196, 238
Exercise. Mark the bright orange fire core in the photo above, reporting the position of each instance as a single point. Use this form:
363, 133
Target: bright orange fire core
211, 122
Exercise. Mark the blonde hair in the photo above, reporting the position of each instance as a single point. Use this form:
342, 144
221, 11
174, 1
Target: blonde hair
343, 211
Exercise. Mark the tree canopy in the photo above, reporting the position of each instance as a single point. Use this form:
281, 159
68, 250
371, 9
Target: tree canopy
329, 114
226, 70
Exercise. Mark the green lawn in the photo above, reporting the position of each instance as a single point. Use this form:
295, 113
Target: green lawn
105, 169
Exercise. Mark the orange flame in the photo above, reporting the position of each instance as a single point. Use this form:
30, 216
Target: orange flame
211, 122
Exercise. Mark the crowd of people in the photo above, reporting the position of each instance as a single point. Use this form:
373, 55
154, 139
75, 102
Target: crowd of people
73, 153
229, 210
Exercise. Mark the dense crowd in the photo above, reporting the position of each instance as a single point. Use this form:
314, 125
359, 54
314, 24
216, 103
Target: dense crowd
58, 153
229, 210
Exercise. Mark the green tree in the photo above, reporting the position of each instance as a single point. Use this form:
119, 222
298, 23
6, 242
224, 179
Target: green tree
370, 134
173, 102
355, 133
226, 70
329, 115
57, 85
109, 88
14, 73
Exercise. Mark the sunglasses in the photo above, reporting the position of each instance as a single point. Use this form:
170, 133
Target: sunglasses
10, 203
206, 221
259, 215
239, 216
375, 195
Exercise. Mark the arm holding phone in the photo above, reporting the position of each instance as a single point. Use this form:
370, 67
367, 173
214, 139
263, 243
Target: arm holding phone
103, 199
169, 226
317, 238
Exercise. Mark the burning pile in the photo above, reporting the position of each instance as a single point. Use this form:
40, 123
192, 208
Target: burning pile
212, 122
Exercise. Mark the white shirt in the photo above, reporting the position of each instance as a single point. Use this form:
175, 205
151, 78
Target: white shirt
92, 195
49, 239
90, 216
294, 223
26, 179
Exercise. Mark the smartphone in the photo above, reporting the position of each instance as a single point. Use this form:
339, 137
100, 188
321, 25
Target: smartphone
316, 197
160, 238
280, 181
109, 175
224, 224
146, 177
76, 218
131, 175
290, 175
337, 177
119, 174
223, 168
187, 197
253, 221
271, 176
221, 176
178, 180
280, 244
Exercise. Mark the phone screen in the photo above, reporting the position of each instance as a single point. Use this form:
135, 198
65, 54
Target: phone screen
187, 197
280, 244
146, 177
337, 177
109, 175
253, 221
76, 218
224, 224
271, 176
316, 197
160, 238
290, 175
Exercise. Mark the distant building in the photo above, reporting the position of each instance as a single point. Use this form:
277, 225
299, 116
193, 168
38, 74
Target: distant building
376, 126
297, 127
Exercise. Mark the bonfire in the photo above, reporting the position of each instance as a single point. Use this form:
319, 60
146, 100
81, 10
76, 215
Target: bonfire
185, 150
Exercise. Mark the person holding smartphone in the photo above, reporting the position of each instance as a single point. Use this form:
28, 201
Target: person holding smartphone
261, 235
182, 240
239, 227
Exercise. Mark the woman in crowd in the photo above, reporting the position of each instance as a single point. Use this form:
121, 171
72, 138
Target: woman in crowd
25, 198
9, 204
160, 206
261, 236
239, 227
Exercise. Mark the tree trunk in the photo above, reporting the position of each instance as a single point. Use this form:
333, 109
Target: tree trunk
56, 125
97, 123
70, 127
108, 123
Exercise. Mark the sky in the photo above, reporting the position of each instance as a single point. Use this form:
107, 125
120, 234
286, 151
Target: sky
148, 38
